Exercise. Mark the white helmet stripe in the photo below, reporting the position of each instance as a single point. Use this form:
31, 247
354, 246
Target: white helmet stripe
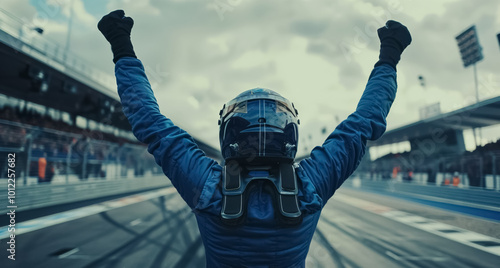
260, 126
264, 106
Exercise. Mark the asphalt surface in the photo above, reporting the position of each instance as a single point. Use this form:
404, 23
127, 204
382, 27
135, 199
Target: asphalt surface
162, 232
350, 237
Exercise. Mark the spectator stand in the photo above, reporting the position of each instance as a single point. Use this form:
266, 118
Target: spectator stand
438, 149
70, 157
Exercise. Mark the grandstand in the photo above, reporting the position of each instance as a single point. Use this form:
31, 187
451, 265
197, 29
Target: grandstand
438, 148
54, 105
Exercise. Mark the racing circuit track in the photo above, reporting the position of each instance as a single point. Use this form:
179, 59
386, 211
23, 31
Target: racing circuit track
156, 229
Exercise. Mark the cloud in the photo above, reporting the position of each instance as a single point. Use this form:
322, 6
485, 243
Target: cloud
135, 7
309, 28
75, 8
20, 9
296, 50
316, 53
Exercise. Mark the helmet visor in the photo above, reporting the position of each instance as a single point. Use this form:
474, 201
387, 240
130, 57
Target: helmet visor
282, 106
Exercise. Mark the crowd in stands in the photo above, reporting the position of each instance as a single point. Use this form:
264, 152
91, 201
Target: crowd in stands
34, 118
55, 140
476, 164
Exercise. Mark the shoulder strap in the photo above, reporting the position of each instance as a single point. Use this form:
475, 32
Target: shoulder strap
232, 200
235, 180
289, 203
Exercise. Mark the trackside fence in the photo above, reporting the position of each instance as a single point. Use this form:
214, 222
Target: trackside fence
471, 195
45, 195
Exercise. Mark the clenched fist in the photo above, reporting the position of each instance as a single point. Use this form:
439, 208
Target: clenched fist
394, 38
116, 29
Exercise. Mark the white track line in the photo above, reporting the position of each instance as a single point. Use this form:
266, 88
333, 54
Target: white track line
454, 233
135, 222
50, 220
69, 253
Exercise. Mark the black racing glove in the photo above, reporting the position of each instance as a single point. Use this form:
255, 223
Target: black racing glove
116, 29
394, 38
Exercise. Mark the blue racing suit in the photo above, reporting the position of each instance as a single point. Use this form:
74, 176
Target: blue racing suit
260, 241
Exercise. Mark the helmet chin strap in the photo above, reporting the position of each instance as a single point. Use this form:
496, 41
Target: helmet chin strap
282, 186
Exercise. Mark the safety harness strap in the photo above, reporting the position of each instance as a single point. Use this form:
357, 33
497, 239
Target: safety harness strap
235, 193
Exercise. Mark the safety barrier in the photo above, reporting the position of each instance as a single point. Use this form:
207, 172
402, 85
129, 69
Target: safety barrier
479, 169
37, 196
472, 195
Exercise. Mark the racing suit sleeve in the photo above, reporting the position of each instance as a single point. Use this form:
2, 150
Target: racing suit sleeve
332, 163
174, 149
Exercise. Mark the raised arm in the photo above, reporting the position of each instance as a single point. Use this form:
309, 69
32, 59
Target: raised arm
331, 164
173, 148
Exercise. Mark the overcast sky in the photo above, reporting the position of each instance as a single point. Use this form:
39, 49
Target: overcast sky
318, 54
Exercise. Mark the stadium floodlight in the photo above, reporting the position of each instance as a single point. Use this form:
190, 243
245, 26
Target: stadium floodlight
468, 43
421, 79
39, 78
470, 50
44, 87
40, 75
38, 30
36, 73
70, 88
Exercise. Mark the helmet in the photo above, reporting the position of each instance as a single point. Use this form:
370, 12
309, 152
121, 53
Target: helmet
259, 124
